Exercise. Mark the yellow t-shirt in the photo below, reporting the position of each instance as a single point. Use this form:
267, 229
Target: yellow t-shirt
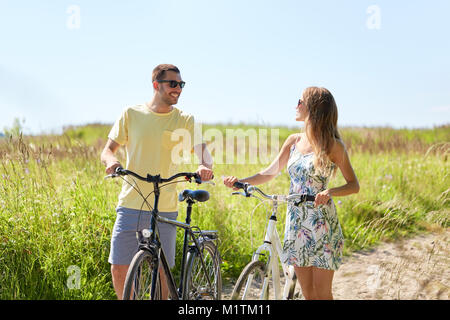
147, 137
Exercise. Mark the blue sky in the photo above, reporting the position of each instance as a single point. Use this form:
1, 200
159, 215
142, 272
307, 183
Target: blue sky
243, 61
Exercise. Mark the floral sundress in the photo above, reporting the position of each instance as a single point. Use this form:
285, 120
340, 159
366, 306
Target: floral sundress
313, 236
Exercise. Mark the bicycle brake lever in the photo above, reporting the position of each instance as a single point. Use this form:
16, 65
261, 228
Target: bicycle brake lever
252, 195
247, 195
110, 176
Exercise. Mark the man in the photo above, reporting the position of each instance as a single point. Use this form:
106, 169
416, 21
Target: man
146, 132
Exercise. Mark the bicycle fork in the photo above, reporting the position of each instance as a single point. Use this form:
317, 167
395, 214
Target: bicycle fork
272, 246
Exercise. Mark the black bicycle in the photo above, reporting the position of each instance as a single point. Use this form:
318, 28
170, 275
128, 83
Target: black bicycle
200, 276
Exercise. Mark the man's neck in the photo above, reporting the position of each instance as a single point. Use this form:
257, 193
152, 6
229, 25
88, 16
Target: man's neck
158, 107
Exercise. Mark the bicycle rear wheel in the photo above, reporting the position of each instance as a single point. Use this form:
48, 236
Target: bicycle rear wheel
142, 275
253, 283
197, 286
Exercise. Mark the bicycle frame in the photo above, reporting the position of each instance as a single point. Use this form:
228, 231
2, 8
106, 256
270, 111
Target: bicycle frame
272, 245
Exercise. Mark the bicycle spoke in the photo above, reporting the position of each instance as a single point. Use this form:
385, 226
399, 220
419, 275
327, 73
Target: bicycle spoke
198, 286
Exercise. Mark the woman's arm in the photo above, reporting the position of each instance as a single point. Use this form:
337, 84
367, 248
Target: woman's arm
271, 171
340, 157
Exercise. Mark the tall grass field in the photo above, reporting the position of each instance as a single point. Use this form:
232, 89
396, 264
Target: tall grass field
57, 211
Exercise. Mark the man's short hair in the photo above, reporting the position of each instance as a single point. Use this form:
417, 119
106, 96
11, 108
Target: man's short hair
160, 70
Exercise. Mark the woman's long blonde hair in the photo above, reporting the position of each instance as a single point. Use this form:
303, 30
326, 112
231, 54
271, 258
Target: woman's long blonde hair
321, 126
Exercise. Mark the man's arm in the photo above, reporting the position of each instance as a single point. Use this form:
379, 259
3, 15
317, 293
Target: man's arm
206, 162
108, 157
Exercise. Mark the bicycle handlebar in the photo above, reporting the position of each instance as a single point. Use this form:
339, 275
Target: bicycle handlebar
157, 178
249, 189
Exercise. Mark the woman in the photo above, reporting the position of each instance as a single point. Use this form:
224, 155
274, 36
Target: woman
313, 239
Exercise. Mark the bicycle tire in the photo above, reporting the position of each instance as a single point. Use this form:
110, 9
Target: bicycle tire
255, 271
196, 286
140, 275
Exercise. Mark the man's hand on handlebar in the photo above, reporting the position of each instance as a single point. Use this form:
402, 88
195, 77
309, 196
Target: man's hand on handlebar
111, 167
205, 173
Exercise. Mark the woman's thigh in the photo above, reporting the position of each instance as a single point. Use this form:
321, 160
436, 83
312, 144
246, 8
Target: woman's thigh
305, 277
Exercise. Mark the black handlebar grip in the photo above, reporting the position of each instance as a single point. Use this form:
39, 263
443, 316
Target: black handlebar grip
239, 185
198, 179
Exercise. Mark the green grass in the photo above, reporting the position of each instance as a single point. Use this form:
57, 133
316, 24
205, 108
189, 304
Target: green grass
57, 211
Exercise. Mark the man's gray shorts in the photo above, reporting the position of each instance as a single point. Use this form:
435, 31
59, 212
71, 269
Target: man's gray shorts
124, 243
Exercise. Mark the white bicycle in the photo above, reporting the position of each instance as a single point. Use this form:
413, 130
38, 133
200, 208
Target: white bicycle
264, 271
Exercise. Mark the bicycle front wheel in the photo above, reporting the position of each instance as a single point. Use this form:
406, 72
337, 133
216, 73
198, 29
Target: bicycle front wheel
142, 281
253, 283
197, 286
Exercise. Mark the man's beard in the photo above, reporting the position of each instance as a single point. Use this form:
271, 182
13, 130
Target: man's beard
170, 100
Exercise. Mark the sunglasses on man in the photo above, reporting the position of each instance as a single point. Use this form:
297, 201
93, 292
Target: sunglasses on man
173, 83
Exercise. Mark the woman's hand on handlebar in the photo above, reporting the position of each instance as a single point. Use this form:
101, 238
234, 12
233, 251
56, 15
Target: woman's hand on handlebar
230, 181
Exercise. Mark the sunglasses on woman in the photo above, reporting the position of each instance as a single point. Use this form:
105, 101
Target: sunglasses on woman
173, 83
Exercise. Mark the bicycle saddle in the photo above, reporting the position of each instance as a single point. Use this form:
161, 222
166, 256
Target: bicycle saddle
199, 195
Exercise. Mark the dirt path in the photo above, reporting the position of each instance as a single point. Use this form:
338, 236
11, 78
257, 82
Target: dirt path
416, 268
